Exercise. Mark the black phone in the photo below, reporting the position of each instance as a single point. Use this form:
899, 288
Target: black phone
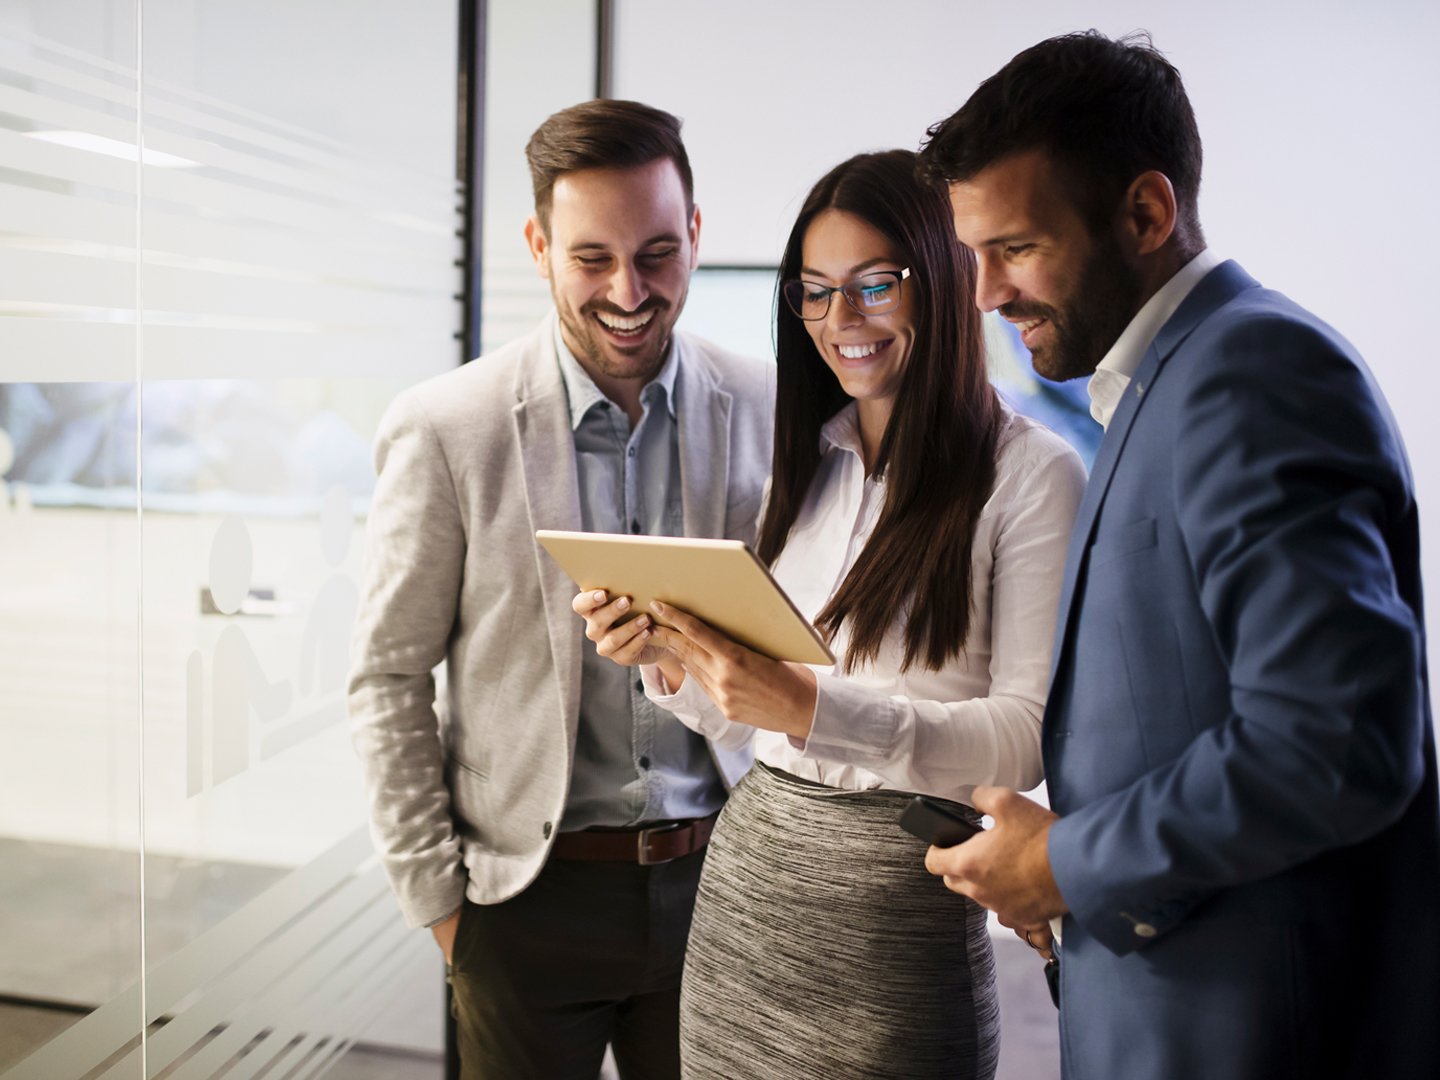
935, 823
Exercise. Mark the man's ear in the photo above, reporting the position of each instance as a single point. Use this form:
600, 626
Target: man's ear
1149, 213
539, 245
694, 237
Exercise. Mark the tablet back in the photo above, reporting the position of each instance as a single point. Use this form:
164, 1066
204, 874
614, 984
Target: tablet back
720, 582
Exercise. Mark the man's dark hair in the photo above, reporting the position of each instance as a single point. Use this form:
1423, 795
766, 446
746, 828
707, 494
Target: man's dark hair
1104, 111
603, 134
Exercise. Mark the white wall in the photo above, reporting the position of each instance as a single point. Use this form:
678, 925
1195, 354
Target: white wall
1318, 119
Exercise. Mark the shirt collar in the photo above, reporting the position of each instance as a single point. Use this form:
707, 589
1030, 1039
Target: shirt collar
842, 431
584, 395
1112, 374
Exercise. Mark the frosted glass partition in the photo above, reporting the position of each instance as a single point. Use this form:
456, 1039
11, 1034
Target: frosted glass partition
187, 884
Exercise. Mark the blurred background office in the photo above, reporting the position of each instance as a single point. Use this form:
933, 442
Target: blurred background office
232, 230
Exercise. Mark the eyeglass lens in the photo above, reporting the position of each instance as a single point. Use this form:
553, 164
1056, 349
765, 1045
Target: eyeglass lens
873, 294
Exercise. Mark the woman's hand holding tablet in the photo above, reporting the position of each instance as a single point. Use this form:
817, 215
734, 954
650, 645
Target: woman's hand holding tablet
749, 687
627, 643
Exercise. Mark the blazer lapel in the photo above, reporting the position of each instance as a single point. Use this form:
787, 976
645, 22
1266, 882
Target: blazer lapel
1217, 288
703, 412
552, 497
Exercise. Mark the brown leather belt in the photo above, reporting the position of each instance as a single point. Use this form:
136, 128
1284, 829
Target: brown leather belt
645, 846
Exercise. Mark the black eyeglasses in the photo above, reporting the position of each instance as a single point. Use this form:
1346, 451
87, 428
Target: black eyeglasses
869, 294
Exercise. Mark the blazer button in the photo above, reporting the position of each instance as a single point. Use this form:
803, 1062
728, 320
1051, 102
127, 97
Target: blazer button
1144, 929
547, 837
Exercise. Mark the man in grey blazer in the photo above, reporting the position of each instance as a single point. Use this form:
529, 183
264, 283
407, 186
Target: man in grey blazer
548, 822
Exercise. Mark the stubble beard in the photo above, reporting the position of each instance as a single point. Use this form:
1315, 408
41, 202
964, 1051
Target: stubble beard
644, 363
1103, 299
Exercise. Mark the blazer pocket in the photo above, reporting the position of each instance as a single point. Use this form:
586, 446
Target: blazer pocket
468, 789
1126, 540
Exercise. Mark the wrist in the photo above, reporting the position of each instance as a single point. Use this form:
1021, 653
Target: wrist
672, 673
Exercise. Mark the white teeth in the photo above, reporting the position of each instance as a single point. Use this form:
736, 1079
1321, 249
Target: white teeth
617, 322
1030, 324
856, 352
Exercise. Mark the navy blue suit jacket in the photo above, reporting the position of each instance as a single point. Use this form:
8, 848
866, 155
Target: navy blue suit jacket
1238, 734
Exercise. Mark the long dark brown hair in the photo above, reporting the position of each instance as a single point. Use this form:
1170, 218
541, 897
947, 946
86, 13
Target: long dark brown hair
938, 451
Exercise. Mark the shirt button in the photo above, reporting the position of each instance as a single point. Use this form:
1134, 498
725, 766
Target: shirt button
644, 762
631, 452
639, 686
634, 526
1144, 929
546, 830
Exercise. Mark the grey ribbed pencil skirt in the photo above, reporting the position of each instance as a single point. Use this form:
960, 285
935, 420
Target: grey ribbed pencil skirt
821, 947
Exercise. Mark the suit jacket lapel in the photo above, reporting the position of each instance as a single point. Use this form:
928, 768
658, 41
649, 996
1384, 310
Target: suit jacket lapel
1214, 290
552, 496
703, 412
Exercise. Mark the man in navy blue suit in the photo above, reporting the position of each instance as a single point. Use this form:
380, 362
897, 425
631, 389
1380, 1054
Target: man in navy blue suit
1244, 854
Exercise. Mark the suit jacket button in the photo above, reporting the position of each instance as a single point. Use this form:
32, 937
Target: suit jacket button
1144, 929
547, 837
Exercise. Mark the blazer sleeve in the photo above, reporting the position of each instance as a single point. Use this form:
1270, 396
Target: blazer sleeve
414, 563
1289, 479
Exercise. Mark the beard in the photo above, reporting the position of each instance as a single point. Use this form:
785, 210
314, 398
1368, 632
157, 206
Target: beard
641, 361
1102, 300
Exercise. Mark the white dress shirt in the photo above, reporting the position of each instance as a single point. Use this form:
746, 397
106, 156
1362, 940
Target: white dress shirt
1113, 373
977, 720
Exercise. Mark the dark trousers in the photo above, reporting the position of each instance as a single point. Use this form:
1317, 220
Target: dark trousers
591, 953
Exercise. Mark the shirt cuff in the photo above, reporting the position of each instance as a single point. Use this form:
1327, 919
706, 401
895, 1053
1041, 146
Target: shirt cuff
852, 725
693, 708
658, 690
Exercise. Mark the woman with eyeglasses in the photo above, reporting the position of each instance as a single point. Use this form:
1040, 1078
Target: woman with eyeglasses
922, 526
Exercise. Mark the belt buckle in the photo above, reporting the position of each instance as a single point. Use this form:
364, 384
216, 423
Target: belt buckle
643, 845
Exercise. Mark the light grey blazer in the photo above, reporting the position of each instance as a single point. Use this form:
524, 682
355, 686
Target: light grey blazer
466, 802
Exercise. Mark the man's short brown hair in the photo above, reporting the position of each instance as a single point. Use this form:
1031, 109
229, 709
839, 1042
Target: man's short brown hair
603, 134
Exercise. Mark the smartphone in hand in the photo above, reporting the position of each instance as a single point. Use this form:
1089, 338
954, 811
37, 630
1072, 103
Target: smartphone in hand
935, 823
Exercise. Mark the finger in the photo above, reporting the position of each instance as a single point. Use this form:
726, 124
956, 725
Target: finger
628, 655
708, 638
622, 637
991, 800
691, 655
586, 602
940, 861
600, 621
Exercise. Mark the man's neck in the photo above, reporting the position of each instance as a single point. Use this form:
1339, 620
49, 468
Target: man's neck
625, 393
1157, 268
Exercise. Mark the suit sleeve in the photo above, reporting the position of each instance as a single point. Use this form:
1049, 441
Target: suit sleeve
414, 563
1288, 478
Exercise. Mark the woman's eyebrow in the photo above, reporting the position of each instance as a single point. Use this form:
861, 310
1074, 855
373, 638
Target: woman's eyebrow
853, 270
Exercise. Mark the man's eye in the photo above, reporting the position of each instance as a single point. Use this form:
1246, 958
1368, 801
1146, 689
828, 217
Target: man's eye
1017, 249
657, 256
591, 260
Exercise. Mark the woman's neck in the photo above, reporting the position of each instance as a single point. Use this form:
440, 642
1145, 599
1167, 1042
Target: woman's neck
874, 416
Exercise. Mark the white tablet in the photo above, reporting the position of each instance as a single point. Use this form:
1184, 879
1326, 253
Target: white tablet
721, 582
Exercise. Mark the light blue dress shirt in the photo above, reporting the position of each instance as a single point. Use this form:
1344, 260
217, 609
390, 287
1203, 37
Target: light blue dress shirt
634, 762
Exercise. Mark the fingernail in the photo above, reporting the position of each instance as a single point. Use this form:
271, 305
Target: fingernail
599, 596
643, 621
623, 603
657, 607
